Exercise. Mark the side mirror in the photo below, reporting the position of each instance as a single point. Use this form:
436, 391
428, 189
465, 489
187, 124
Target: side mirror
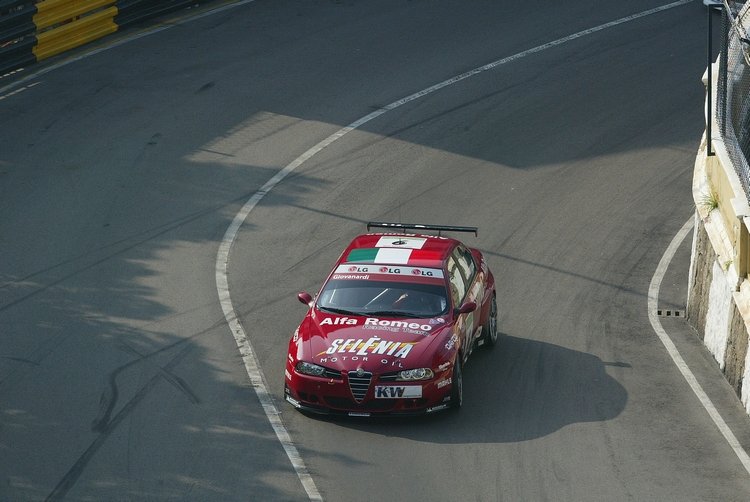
305, 298
466, 308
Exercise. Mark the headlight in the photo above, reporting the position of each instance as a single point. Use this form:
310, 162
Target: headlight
310, 368
417, 374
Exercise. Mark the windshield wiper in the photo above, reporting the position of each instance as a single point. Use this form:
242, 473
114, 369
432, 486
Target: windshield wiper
338, 311
394, 313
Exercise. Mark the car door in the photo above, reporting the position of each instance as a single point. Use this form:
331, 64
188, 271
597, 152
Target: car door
474, 289
461, 276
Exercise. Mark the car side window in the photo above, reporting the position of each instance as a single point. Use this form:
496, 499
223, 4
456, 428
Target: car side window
457, 282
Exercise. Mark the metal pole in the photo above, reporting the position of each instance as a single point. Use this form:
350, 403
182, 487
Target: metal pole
709, 86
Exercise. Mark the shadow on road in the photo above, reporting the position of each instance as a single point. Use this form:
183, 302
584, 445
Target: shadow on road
520, 390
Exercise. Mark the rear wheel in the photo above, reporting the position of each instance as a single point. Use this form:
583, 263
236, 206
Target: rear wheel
490, 327
457, 384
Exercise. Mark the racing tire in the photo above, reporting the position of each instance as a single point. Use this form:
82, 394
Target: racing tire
489, 329
457, 384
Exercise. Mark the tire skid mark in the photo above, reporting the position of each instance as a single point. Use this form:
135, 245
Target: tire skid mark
107, 427
109, 396
111, 393
38, 354
104, 423
21, 360
176, 381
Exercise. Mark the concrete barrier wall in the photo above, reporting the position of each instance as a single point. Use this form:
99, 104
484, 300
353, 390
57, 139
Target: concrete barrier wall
718, 304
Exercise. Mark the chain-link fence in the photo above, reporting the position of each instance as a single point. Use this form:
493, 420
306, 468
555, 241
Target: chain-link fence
733, 88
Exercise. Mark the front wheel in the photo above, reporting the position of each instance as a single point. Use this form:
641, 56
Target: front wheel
457, 384
490, 327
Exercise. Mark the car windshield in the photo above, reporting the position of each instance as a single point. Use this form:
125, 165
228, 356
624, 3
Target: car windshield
383, 298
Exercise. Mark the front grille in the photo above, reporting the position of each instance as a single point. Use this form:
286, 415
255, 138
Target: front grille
359, 385
389, 377
328, 373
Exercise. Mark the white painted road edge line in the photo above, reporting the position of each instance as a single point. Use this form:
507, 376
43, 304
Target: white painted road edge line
653, 299
222, 258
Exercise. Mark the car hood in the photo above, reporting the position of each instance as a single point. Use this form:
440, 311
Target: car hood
377, 344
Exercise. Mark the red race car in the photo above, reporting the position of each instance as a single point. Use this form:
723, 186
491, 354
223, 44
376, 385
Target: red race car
393, 325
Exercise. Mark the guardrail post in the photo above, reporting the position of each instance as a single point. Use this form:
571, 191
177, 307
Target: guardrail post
709, 84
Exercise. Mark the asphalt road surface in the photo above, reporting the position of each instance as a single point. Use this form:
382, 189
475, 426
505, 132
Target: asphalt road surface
120, 173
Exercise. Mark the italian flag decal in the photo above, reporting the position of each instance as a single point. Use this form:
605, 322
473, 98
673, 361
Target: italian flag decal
393, 256
380, 255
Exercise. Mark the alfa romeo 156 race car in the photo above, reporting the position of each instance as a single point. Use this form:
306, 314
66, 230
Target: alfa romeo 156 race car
393, 325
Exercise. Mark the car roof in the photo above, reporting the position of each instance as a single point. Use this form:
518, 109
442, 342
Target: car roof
414, 250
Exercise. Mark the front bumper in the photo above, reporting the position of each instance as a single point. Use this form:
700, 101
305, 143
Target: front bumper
328, 396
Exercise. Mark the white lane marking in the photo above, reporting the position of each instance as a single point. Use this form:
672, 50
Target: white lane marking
18, 91
257, 378
222, 259
653, 297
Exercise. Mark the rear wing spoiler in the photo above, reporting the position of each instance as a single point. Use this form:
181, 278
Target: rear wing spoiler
417, 226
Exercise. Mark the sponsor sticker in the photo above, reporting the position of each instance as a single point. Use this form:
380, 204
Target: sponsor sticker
373, 323
452, 342
338, 321
443, 383
437, 408
397, 392
293, 401
364, 272
372, 346
351, 277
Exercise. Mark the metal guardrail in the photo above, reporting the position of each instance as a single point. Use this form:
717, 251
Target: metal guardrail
63, 25
733, 89
17, 34
33, 30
